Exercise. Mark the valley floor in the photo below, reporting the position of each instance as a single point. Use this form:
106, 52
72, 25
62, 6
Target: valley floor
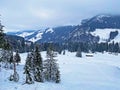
100, 72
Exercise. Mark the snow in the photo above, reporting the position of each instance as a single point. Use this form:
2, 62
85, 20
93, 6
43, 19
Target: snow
24, 34
117, 38
105, 36
100, 72
99, 17
49, 30
37, 37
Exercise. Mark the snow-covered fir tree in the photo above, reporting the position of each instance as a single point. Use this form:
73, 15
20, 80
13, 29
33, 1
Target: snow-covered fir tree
38, 65
51, 72
5, 48
6, 57
31, 61
28, 69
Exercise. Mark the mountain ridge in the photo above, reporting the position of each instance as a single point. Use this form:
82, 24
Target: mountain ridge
85, 32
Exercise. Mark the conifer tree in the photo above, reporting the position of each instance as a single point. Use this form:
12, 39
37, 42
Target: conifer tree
11, 58
31, 64
6, 56
2, 40
11, 61
79, 54
52, 72
38, 65
17, 57
27, 68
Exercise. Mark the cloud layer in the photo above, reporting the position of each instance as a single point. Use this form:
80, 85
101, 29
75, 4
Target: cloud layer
34, 14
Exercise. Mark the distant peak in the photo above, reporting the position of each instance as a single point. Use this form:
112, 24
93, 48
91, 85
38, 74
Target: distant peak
103, 15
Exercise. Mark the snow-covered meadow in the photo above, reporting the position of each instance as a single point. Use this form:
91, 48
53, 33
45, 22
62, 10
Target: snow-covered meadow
100, 72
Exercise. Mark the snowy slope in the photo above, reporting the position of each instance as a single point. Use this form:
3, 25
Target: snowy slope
100, 72
104, 34
49, 30
37, 37
117, 38
55, 34
25, 34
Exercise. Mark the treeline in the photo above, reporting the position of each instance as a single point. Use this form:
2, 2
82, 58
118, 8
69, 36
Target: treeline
84, 47
14, 43
94, 47
113, 47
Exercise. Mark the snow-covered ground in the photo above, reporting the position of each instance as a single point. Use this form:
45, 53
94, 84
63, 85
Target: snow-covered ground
100, 72
105, 36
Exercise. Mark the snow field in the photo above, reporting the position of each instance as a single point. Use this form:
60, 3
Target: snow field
105, 36
100, 72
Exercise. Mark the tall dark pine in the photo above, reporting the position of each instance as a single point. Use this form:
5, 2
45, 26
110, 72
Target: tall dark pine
38, 65
51, 72
2, 40
27, 68
17, 57
11, 58
11, 61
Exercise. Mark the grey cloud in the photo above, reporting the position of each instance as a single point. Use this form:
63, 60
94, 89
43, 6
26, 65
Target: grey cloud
33, 14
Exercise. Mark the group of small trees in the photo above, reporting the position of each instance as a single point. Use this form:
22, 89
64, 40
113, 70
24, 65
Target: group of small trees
6, 55
39, 71
34, 67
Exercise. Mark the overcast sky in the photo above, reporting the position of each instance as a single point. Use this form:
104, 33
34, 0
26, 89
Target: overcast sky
34, 14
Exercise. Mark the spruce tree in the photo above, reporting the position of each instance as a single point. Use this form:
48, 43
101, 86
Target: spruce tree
38, 65
32, 65
51, 72
6, 57
2, 40
79, 54
11, 58
11, 61
17, 57
27, 68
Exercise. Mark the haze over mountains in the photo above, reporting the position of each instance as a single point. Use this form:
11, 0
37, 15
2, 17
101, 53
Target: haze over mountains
100, 28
